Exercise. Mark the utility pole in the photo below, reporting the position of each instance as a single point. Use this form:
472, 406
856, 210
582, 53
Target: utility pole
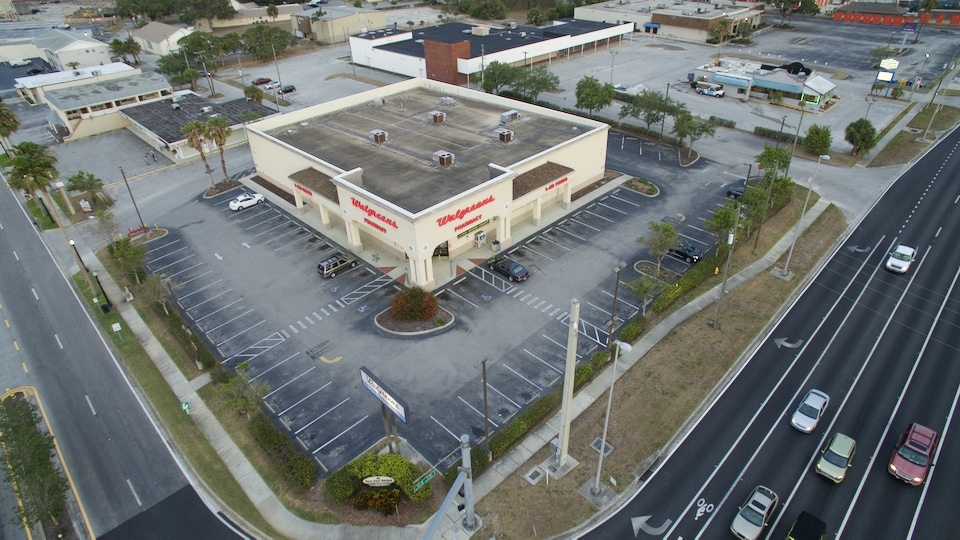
726, 270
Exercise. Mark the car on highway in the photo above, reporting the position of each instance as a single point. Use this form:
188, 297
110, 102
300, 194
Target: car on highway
246, 201
261, 80
913, 454
329, 267
510, 268
807, 527
755, 513
901, 258
287, 88
687, 251
836, 457
810, 410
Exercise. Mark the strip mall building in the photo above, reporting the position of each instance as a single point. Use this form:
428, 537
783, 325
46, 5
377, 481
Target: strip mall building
422, 167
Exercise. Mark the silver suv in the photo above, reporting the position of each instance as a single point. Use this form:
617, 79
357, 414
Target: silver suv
331, 266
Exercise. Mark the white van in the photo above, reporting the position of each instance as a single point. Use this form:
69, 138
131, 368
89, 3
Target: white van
710, 89
19, 62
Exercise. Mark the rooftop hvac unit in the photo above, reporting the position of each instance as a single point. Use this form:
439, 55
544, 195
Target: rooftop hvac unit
505, 135
448, 101
661, 6
206, 109
685, 12
176, 106
379, 102
509, 116
481, 30
512, 25
523, 34
379, 136
444, 158
438, 116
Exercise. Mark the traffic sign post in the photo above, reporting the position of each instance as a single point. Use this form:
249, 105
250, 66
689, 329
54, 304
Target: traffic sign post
185, 406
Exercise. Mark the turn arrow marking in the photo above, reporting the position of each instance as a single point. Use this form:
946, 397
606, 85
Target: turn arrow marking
640, 523
783, 342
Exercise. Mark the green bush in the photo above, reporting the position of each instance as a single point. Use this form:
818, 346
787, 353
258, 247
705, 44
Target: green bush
599, 359
717, 121
298, 473
776, 134
414, 304
632, 331
341, 485
687, 282
402, 470
385, 500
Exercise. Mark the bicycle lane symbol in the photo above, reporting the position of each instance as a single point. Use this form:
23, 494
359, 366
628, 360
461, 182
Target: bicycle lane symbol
703, 508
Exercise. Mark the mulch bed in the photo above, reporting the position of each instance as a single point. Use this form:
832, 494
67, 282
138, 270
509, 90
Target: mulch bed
387, 321
222, 187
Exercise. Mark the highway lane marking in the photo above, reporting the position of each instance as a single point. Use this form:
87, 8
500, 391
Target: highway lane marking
34, 293
135, 496
7, 322
90, 403
16, 345
789, 404
15, 256
24, 365
56, 337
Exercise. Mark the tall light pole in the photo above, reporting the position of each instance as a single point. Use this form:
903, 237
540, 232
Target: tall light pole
796, 231
869, 104
276, 95
143, 225
663, 120
796, 137
918, 78
83, 268
616, 290
723, 284
606, 419
613, 58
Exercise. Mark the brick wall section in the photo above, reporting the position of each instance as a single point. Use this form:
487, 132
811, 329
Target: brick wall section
441, 59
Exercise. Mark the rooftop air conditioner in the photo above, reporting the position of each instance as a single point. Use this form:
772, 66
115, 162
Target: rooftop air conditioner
511, 25
176, 106
448, 101
685, 12
438, 117
509, 116
379, 136
481, 30
206, 109
505, 135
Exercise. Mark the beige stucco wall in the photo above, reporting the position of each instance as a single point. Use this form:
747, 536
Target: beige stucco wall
367, 217
85, 54
95, 124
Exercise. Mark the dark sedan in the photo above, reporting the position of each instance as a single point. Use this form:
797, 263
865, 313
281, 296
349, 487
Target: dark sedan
512, 269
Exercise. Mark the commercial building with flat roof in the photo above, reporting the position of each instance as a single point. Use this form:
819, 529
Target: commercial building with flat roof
423, 167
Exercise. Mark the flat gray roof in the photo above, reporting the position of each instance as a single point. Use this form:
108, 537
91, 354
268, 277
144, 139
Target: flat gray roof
93, 93
166, 122
403, 170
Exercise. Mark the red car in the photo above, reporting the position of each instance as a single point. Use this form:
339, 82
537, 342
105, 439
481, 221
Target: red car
914, 452
261, 80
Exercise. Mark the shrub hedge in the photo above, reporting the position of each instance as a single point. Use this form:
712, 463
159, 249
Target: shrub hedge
632, 331
414, 304
717, 121
690, 279
340, 485
298, 469
402, 470
535, 414
776, 134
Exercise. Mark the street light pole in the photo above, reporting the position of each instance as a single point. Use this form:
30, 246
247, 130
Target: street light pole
664, 119
613, 58
613, 311
143, 225
919, 77
276, 95
723, 284
796, 231
869, 104
606, 419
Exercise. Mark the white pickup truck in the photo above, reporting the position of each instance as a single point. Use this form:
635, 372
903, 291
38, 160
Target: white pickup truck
19, 62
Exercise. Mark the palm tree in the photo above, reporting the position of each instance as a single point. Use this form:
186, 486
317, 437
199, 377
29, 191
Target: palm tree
928, 6
721, 31
251, 92
196, 131
32, 170
219, 130
272, 11
134, 48
119, 48
9, 124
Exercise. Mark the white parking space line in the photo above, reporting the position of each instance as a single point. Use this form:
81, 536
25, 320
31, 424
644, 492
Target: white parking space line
585, 225
214, 312
294, 330
292, 231
90, 404
542, 302
182, 296
545, 239
242, 332
620, 299
462, 298
544, 310
281, 387
268, 220
474, 409
504, 396
571, 234
278, 364
229, 321
598, 216
56, 337
317, 315
555, 342
165, 255
355, 424
528, 248
298, 240
328, 411
302, 326
543, 361
196, 278
308, 396
187, 269
163, 246
445, 428
332, 307
518, 293
157, 270
309, 320
284, 224
209, 299
600, 309
612, 208
524, 378
621, 199
554, 312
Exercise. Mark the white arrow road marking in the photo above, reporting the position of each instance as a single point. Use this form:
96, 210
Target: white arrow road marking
782, 342
640, 523
218, 256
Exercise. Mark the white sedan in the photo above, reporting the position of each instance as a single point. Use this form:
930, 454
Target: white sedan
901, 258
245, 201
